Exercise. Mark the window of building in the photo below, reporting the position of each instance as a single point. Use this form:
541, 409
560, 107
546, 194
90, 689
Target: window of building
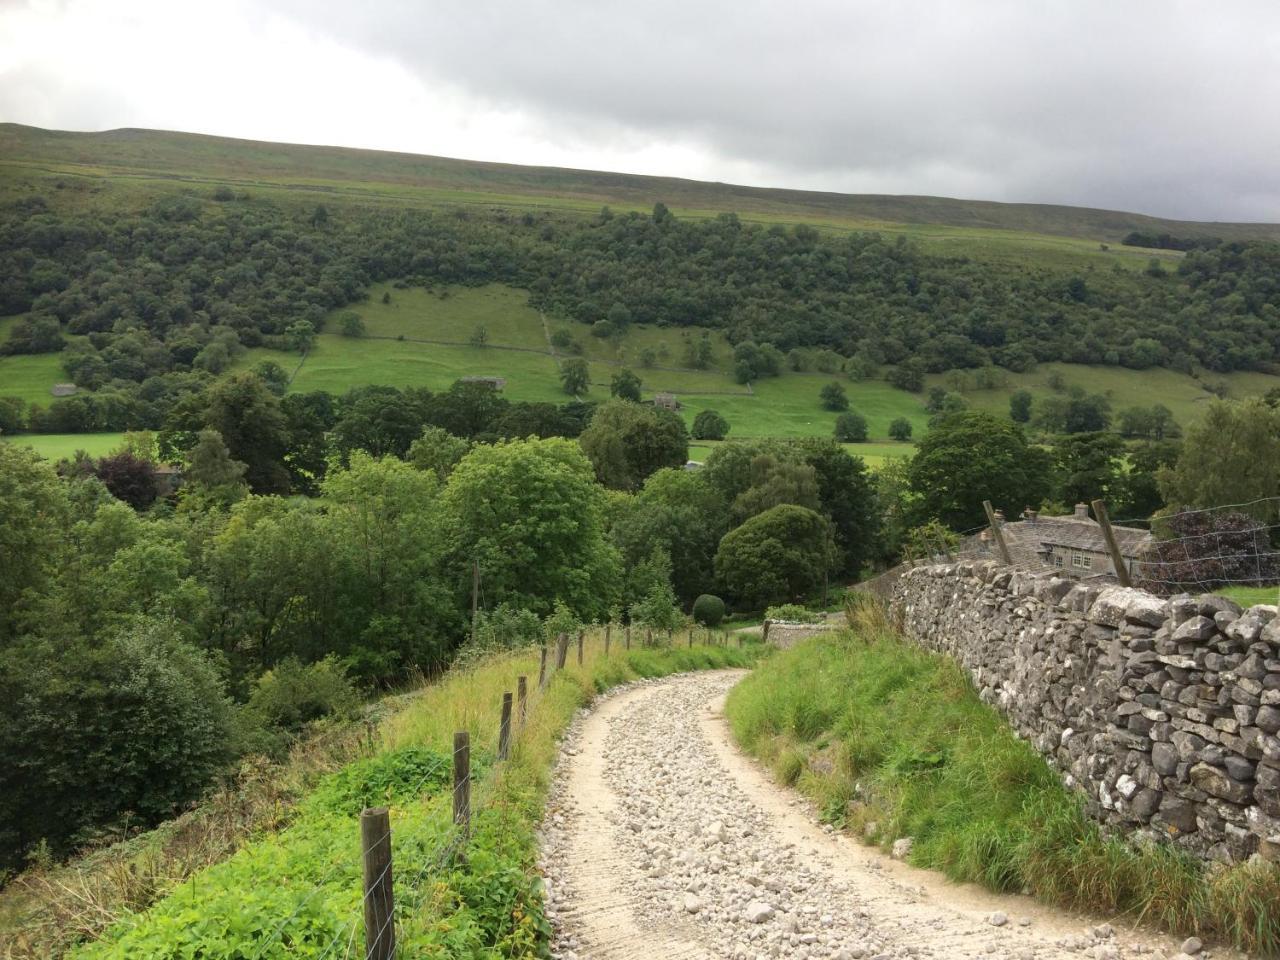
1058, 560
1081, 561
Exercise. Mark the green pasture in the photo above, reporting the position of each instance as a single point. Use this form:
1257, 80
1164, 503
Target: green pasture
61, 446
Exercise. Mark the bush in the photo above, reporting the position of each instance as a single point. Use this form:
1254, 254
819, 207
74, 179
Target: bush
136, 726
792, 613
834, 398
851, 428
776, 556
709, 425
290, 696
708, 610
900, 429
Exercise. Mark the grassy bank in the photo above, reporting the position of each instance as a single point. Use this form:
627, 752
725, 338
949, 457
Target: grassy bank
893, 742
296, 891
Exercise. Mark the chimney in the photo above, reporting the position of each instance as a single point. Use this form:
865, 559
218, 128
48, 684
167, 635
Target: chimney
1082, 511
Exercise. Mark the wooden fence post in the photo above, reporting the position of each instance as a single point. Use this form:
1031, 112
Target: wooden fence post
739, 641
1117, 558
997, 532
462, 781
628, 637
522, 700
542, 669
691, 638
562, 650
581, 634
504, 728
764, 632
608, 631
379, 902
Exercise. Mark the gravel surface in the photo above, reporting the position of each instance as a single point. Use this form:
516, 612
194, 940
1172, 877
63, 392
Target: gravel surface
661, 841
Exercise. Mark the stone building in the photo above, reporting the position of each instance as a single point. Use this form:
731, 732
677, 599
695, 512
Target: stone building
1070, 546
667, 401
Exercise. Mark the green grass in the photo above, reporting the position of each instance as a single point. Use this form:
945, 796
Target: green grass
980, 804
296, 892
30, 377
149, 160
61, 446
1251, 596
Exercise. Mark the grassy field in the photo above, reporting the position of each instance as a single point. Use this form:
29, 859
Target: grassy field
295, 891
1251, 596
60, 446
980, 804
152, 159
517, 349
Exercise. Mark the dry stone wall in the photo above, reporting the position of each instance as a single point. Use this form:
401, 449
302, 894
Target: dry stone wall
1164, 713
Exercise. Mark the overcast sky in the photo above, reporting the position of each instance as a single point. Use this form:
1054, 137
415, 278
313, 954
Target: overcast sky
1169, 107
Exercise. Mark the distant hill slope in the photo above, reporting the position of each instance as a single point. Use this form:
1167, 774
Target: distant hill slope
146, 154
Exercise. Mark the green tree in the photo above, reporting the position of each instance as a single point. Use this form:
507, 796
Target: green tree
625, 386
351, 324
708, 610
209, 466
1231, 455
131, 729
851, 428
778, 556
908, 375
900, 429
575, 376
833, 397
699, 353
710, 425
437, 450
1089, 466
34, 513
774, 482
626, 442
970, 457
248, 418
530, 513
301, 335
1020, 406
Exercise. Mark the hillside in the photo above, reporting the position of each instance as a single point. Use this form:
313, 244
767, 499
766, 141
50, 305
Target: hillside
145, 155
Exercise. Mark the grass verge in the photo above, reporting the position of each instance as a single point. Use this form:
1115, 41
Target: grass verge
892, 742
297, 892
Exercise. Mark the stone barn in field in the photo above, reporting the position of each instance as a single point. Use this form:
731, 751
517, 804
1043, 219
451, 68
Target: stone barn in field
666, 401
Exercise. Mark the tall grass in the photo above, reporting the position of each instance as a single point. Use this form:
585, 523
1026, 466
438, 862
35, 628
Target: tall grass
892, 742
297, 892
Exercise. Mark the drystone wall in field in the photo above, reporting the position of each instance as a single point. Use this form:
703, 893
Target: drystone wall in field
1165, 713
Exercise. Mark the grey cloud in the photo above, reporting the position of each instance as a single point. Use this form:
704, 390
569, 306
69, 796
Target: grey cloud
1167, 108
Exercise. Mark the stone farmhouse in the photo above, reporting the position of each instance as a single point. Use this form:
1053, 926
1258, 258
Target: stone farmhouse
1070, 546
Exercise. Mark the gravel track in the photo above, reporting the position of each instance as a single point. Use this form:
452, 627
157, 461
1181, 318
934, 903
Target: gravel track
662, 841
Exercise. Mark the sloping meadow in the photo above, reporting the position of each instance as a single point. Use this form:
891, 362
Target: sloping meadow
892, 741
298, 892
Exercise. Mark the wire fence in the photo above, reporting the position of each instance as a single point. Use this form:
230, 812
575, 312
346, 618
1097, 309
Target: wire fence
423, 843
1231, 547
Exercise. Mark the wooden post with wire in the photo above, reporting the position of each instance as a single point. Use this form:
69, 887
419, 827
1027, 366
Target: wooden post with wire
562, 650
1113, 547
379, 898
608, 632
627, 637
581, 635
691, 638
462, 781
522, 701
997, 532
542, 669
504, 727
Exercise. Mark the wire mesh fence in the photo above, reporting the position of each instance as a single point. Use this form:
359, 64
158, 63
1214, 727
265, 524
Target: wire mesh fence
1232, 548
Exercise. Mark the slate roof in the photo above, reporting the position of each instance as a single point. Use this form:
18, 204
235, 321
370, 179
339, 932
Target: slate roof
1026, 538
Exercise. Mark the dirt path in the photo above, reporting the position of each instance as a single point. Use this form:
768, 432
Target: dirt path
663, 841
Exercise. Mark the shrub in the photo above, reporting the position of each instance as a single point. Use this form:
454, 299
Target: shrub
792, 613
834, 397
851, 428
710, 425
139, 724
290, 696
900, 429
708, 610
777, 555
